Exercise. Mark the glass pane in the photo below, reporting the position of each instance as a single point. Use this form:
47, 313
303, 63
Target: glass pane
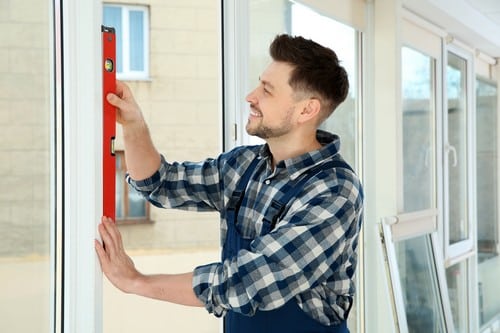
456, 277
267, 18
487, 198
418, 130
487, 169
136, 24
185, 64
112, 17
136, 204
419, 285
489, 289
457, 152
342, 39
25, 160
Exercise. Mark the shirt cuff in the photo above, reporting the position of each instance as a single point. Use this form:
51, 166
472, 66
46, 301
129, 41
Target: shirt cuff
151, 183
204, 278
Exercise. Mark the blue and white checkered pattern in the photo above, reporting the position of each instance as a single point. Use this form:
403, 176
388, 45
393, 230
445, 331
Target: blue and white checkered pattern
310, 254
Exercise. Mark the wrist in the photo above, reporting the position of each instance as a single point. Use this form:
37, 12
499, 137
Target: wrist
138, 285
135, 129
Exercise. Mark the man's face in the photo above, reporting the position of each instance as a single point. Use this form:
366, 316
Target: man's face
272, 104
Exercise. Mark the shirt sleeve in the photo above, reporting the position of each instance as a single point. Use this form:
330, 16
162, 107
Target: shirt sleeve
314, 242
188, 185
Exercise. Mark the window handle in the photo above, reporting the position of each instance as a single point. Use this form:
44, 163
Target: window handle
449, 148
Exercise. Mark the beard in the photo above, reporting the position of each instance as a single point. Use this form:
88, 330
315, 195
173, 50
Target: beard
259, 129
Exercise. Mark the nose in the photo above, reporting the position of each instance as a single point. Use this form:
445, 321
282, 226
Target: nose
252, 97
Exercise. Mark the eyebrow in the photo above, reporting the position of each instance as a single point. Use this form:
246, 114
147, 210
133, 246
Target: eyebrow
266, 83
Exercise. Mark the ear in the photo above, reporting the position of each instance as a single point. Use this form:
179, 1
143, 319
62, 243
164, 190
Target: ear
310, 110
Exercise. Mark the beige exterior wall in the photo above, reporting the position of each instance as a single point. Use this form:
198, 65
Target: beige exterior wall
24, 128
24, 166
182, 106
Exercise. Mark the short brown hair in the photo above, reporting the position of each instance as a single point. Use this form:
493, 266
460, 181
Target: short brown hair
316, 70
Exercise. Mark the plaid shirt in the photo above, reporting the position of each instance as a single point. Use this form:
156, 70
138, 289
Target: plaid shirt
311, 253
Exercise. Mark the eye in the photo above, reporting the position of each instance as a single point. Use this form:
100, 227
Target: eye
266, 90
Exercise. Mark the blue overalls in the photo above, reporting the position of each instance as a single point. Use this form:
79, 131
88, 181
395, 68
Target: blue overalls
289, 318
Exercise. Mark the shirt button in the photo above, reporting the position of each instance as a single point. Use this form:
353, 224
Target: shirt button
268, 182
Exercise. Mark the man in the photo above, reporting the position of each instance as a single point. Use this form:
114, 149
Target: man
287, 262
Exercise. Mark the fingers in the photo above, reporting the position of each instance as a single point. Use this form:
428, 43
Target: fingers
128, 111
112, 244
102, 255
121, 87
116, 101
121, 97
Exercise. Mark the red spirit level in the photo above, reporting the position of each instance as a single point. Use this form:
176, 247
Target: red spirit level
109, 122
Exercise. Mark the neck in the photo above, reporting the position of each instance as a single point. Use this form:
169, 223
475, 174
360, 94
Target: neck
284, 148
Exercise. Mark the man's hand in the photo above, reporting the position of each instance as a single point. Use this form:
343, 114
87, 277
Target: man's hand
127, 110
121, 272
141, 157
115, 263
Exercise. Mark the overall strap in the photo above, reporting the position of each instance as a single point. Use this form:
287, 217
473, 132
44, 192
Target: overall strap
277, 207
234, 203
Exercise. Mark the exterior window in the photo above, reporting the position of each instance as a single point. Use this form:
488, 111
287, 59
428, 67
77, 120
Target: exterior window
131, 24
130, 205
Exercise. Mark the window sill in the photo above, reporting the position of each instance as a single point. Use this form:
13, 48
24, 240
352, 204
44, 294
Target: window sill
134, 221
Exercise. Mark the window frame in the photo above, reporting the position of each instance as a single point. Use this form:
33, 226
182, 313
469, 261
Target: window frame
126, 73
465, 248
406, 226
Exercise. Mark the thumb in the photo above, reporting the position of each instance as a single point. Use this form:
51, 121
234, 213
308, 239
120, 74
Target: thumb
114, 100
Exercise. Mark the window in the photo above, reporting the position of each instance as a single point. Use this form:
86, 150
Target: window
130, 205
458, 196
131, 24
416, 272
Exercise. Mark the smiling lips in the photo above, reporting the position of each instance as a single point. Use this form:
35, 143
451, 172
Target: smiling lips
254, 112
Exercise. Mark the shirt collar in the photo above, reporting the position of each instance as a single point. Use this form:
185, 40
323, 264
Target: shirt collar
297, 165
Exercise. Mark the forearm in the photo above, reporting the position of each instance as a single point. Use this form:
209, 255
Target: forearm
141, 156
173, 288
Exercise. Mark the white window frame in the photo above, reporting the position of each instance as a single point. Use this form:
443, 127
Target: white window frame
464, 249
82, 135
127, 73
403, 227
